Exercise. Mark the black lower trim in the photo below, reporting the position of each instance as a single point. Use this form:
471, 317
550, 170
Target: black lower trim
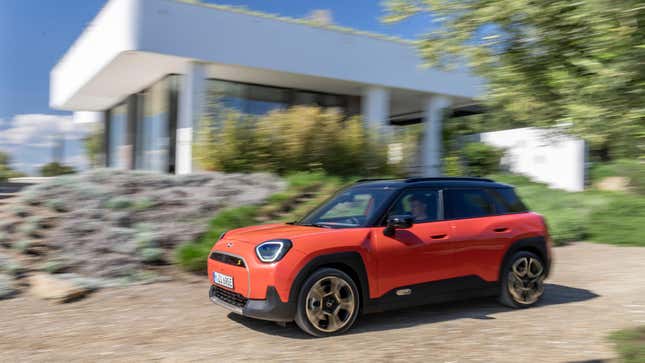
271, 308
433, 292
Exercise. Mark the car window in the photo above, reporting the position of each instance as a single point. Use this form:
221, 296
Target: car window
421, 204
467, 203
359, 205
506, 201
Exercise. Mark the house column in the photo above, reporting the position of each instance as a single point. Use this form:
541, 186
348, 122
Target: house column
431, 151
375, 107
191, 102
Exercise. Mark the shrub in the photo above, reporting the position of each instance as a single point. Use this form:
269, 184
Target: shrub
152, 255
55, 169
481, 159
632, 169
57, 205
301, 138
119, 202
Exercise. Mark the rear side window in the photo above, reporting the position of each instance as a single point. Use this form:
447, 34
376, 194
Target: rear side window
506, 201
467, 203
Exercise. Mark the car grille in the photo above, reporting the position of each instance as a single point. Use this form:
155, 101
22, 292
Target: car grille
227, 259
230, 297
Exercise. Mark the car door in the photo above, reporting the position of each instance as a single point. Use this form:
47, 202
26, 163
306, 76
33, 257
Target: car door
418, 254
479, 235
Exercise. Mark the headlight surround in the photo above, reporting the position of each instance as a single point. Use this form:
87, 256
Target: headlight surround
273, 250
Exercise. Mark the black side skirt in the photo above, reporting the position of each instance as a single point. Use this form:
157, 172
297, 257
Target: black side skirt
459, 288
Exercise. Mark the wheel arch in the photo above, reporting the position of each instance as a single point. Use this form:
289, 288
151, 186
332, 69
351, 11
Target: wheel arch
537, 245
349, 262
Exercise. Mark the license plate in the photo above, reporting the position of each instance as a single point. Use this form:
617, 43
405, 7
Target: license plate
224, 280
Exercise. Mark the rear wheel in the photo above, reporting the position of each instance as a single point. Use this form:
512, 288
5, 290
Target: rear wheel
522, 282
328, 303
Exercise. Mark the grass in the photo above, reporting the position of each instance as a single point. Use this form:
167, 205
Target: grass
632, 169
598, 216
630, 344
192, 256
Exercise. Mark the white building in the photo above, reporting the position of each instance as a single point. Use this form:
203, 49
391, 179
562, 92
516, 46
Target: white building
544, 155
150, 66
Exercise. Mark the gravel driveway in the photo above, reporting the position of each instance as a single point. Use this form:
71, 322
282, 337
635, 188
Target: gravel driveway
594, 290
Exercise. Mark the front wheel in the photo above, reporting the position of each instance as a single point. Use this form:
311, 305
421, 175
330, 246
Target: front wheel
522, 282
328, 303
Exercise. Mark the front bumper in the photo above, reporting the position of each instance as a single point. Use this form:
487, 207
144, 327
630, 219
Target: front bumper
271, 308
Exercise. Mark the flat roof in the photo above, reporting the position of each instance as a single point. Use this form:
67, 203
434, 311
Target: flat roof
131, 44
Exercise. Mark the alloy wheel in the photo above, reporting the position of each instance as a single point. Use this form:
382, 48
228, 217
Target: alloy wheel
526, 280
330, 304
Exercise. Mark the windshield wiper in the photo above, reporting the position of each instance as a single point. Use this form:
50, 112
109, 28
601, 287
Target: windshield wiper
320, 225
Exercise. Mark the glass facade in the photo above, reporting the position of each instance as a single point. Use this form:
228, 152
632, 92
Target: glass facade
152, 131
143, 128
141, 131
117, 130
255, 99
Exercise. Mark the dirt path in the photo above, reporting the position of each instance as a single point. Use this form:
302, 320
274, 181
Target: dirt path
594, 290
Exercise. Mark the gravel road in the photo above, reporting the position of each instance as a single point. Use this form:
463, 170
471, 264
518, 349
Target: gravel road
594, 289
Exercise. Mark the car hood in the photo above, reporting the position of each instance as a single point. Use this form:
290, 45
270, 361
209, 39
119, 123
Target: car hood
258, 234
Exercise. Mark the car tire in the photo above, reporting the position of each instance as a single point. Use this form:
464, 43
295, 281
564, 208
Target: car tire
522, 280
328, 303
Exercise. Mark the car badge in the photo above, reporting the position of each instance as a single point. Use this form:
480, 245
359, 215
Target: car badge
229, 244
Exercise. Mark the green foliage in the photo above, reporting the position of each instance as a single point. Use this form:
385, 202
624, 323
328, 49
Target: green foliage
119, 202
481, 159
55, 168
192, 256
152, 255
5, 171
322, 140
452, 166
57, 205
547, 63
605, 217
632, 169
93, 144
630, 344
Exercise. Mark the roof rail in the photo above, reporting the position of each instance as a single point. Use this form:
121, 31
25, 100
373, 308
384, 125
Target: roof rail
449, 178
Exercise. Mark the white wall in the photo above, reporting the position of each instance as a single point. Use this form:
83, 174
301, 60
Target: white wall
543, 155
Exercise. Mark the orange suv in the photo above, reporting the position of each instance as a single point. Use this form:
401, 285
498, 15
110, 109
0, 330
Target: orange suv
384, 244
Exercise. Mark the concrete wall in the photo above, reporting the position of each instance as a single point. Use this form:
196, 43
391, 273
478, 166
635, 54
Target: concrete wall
543, 155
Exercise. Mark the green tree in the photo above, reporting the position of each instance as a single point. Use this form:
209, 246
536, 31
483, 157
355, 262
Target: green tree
93, 144
6, 171
577, 63
55, 168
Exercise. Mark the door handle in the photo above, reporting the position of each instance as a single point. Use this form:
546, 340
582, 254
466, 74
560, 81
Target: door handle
438, 236
500, 229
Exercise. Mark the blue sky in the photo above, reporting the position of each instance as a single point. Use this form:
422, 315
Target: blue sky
34, 34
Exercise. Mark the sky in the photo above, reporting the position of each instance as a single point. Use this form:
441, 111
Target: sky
34, 35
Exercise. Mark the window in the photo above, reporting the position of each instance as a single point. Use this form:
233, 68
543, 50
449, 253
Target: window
506, 201
421, 204
353, 207
152, 129
117, 148
467, 203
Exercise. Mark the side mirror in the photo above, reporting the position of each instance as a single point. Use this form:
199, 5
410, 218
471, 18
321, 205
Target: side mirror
398, 222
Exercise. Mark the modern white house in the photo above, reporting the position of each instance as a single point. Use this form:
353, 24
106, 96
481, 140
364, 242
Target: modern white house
150, 66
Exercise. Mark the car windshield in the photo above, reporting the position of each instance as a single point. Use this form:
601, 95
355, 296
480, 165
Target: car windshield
354, 207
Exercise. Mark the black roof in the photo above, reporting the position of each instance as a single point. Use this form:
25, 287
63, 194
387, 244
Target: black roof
431, 182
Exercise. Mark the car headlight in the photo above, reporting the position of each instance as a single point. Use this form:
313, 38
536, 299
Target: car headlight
273, 250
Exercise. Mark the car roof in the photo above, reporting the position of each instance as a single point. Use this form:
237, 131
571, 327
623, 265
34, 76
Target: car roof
437, 182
